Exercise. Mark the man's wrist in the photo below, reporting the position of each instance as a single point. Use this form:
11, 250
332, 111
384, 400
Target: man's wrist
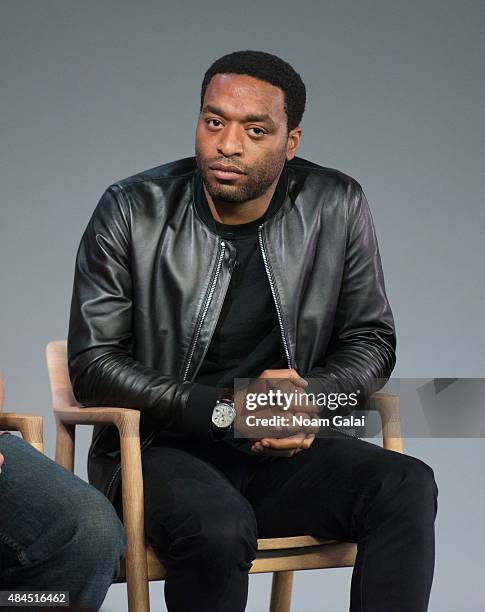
225, 396
199, 410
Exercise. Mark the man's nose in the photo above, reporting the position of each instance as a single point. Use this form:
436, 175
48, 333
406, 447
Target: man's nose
230, 141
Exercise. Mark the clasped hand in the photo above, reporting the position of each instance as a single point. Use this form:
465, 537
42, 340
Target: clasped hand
288, 439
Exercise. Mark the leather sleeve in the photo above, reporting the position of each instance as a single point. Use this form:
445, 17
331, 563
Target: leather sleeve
102, 369
362, 349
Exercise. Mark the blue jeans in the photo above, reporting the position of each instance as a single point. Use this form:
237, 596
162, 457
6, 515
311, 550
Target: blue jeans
56, 531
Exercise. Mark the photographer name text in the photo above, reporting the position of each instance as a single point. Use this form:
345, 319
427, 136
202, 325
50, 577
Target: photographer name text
304, 421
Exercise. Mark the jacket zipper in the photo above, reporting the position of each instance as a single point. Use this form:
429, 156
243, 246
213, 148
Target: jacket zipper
147, 440
273, 291
278, 311
206, 308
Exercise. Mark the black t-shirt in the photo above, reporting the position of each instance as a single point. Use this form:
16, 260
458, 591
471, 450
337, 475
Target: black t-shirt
247, 338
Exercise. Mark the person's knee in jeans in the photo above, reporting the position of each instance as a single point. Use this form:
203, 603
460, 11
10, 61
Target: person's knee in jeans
82, 548
67, 535
96, 536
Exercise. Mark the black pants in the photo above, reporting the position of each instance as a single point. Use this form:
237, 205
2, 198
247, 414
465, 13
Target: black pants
207, 503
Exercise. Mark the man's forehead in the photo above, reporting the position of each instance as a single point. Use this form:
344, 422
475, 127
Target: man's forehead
243, 95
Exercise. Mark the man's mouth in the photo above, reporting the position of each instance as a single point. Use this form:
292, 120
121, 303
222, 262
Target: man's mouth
226, 172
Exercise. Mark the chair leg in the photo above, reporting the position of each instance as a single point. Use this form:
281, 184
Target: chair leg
32, 432
281, 592
65, 441
133, 515
137, 588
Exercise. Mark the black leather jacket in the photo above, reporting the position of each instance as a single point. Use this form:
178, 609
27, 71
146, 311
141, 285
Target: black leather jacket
150, 280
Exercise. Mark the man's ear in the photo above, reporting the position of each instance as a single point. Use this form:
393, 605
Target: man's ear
293, 143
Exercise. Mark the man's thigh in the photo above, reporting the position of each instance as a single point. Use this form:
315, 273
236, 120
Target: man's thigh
324, 490
187, 493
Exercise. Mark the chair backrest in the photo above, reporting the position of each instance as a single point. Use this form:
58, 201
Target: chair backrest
61, 388
1, 391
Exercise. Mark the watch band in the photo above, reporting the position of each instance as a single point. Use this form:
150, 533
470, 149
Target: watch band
226, 394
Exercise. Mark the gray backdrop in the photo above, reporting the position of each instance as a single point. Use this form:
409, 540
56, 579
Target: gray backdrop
92, 92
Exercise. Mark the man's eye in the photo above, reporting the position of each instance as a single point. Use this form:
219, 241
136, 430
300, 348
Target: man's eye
258, 132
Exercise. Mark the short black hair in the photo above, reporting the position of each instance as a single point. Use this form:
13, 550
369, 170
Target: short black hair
266, 67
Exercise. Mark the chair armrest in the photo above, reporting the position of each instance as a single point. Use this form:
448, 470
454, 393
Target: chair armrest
126, 420
29, 425
387, 405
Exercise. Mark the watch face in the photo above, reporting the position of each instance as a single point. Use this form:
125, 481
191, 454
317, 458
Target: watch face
223, 415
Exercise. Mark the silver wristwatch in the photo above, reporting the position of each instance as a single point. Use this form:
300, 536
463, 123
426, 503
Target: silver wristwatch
224, 414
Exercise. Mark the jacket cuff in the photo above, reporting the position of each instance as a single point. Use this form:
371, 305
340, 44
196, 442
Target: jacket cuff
198, 411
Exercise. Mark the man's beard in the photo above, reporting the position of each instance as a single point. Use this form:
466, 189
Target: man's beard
252, 185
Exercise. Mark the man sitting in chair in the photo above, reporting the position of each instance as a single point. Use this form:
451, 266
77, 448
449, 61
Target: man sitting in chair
247, 262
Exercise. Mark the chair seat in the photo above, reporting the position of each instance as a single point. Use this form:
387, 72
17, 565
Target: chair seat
278, 555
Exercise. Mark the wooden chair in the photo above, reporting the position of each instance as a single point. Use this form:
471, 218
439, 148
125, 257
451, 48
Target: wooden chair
29, 425
281, 556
